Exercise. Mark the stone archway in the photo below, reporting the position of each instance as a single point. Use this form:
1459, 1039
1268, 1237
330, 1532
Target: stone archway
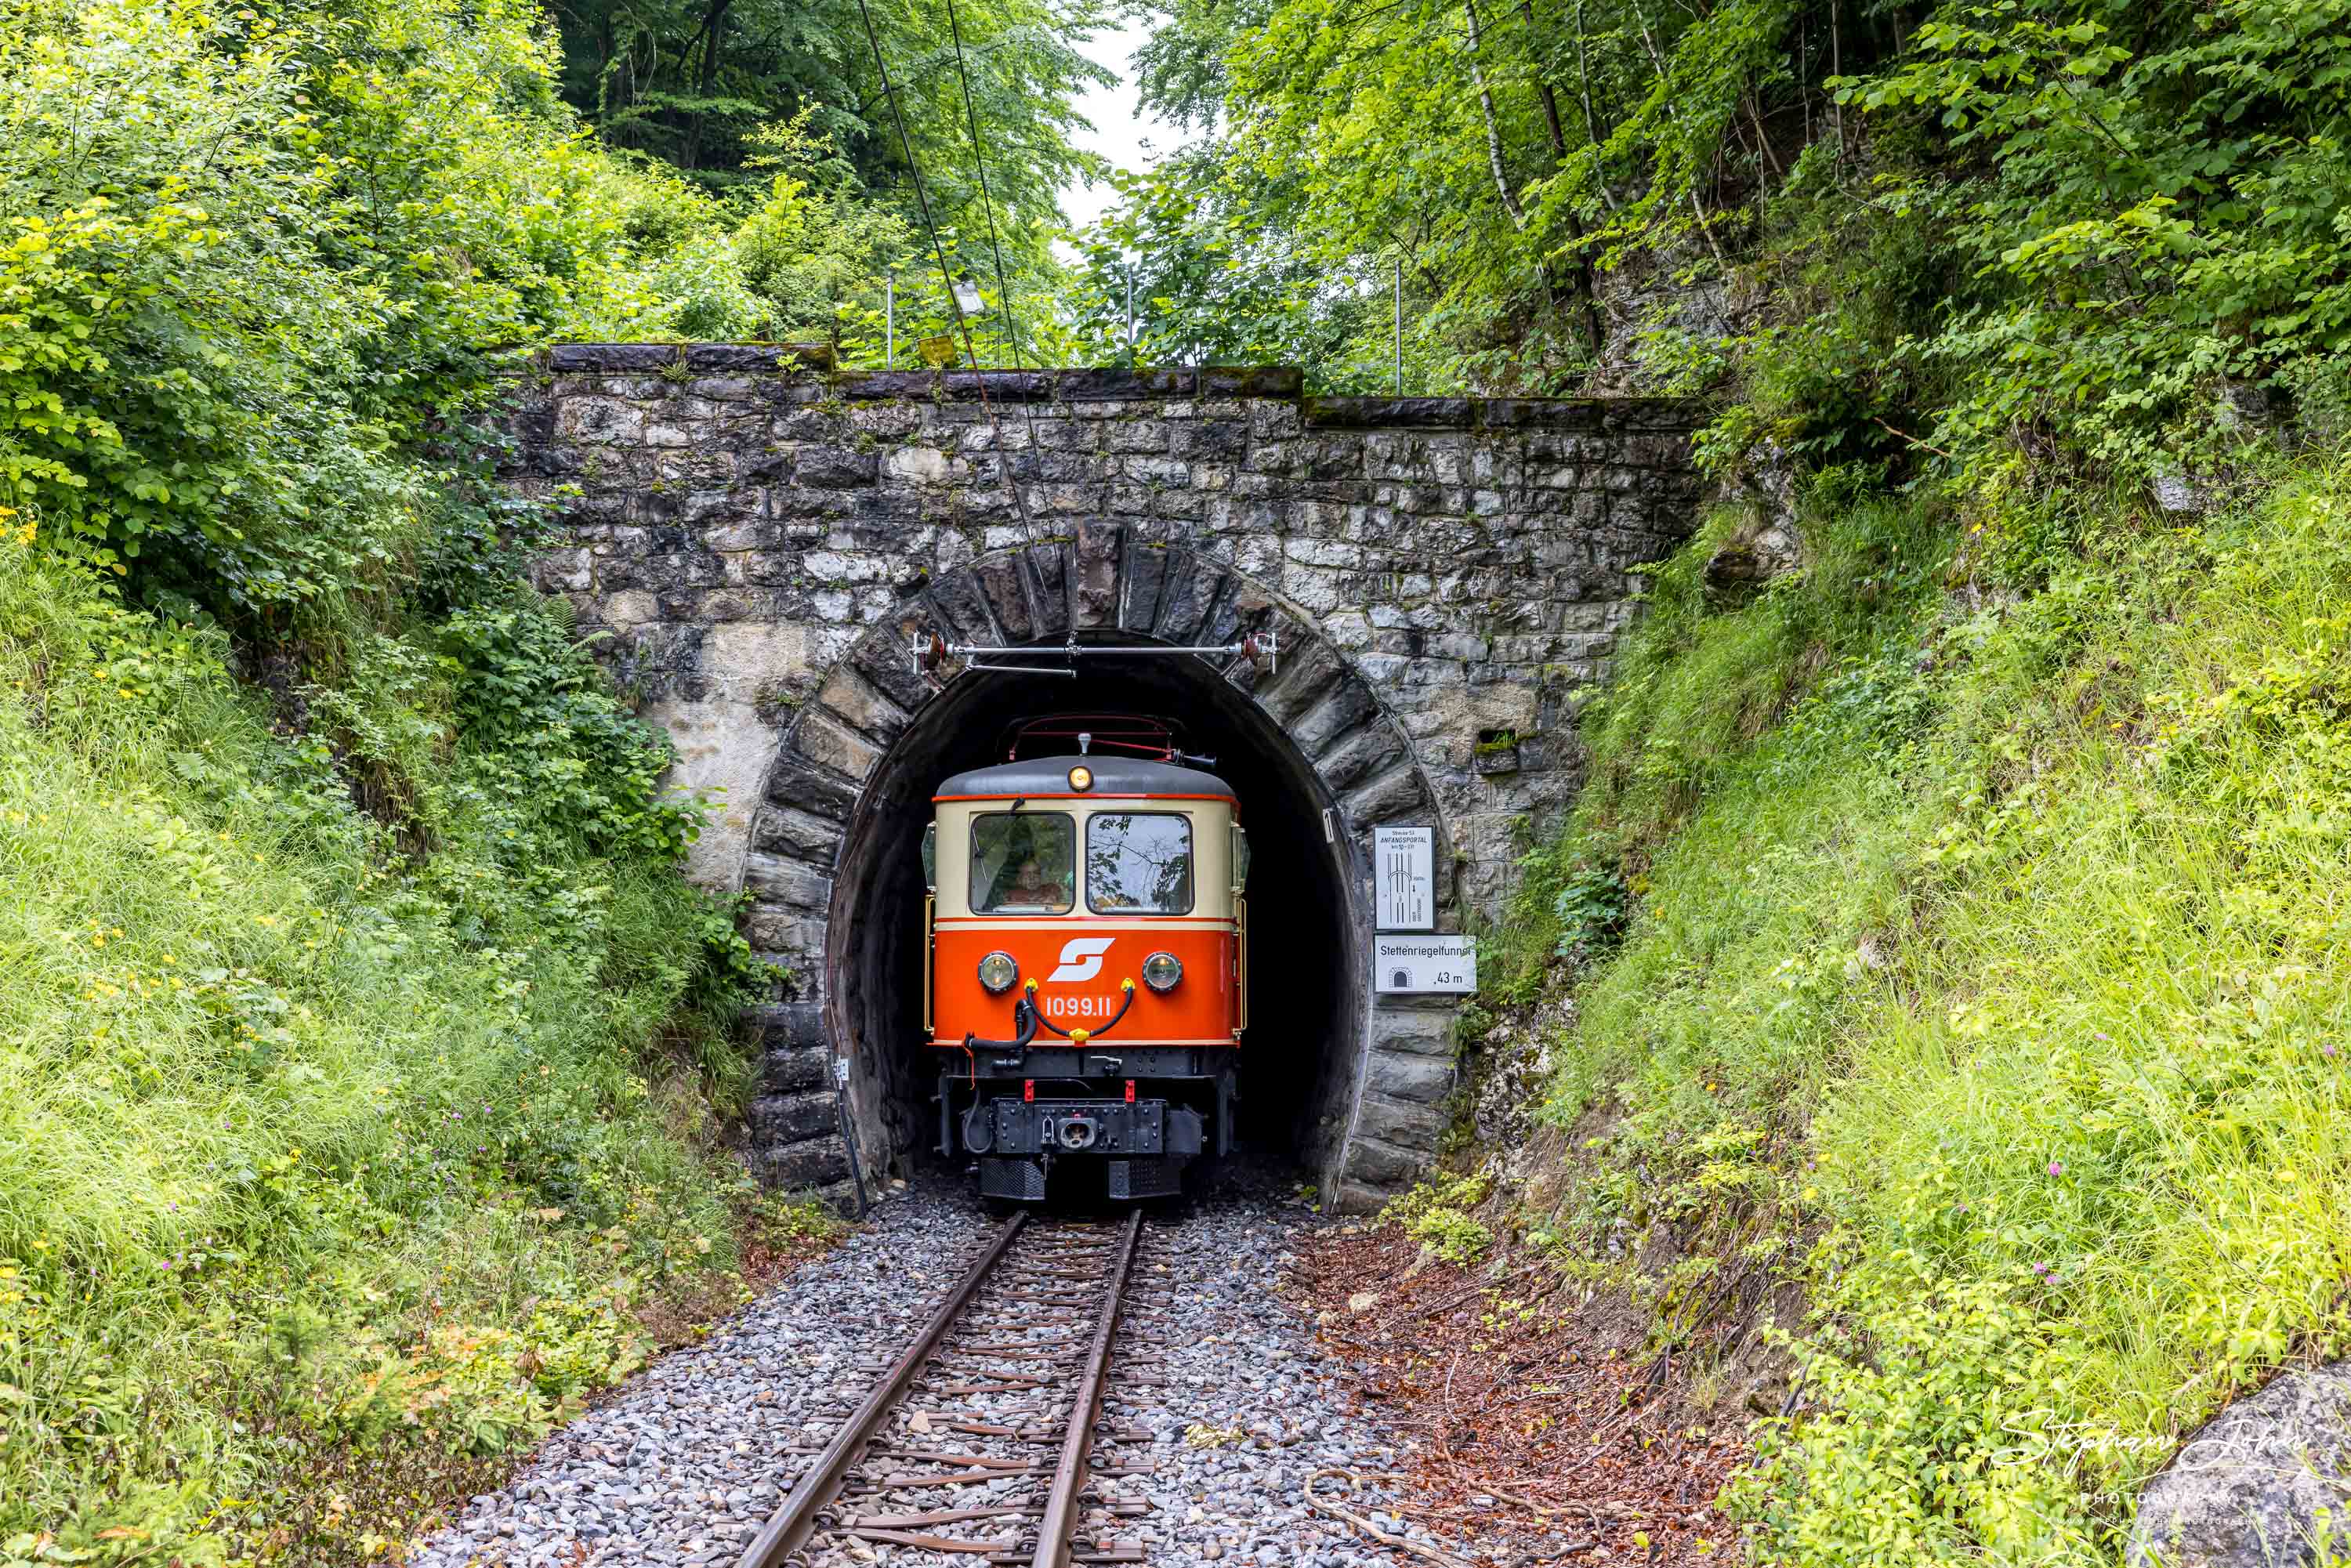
856, 763
745, 535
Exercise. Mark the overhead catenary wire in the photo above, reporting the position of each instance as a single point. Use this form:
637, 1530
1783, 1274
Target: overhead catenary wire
946, 277
987, 201
988, 211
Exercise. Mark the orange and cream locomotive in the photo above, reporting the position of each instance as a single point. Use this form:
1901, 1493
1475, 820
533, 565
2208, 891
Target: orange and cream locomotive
1086, 978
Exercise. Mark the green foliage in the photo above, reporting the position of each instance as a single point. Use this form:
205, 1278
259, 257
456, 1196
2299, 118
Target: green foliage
712, 86
1936, 1433
564, 744
812, 248
246, 262
2151, 209
2001, 953
695, 82
334, 1037
1438, 1214
1590, 908
313, 1143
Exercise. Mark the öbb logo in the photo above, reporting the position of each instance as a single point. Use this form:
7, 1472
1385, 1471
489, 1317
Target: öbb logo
1081, 959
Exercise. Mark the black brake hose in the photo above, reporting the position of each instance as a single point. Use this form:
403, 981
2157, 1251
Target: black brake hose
1025, 1019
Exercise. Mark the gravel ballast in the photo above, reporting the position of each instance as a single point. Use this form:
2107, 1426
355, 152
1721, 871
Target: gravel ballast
684, 1463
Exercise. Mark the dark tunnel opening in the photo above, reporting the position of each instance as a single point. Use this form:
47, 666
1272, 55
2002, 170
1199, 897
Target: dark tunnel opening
1304, 1038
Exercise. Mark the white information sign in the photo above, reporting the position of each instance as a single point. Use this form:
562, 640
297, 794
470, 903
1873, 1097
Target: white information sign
1403, 879
1411, 963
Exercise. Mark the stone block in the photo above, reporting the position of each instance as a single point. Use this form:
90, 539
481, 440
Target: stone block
1307, 672
920, 465
1057, 432
857, 703
1267, 381
1206, 442
1414, 1030
835, 468
794, 937
1002, 582
1541, 412
963, 607
1138, 437
815, 1162
1048, 570
797, 781
1349, 1197
885, 386
787, 882
1100, 547
788, 831
622, 611
1371, 747
1385, 797
1400, 1124
1415, 1080
1390, 412
989, 388
1374, 1162
1119, 385
794, 1070
828, 743
599, 422
1145, 572
640, 358
1346, 705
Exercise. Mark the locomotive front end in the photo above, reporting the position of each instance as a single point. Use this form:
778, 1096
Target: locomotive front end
1086, 969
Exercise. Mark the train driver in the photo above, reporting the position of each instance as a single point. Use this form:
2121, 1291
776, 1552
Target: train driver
1029, 890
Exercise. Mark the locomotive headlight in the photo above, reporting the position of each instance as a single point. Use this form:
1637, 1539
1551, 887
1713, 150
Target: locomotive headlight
998, 971
1082, 779
1162, 970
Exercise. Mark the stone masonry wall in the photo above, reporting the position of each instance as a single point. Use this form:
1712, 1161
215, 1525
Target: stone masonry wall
757, 542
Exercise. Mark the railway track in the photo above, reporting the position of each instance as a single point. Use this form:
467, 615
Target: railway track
983, 1442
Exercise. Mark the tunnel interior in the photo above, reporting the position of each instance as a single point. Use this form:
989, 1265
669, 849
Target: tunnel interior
1304, 1039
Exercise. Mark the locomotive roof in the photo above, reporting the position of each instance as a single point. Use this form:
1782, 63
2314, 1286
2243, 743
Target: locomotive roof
1048, 776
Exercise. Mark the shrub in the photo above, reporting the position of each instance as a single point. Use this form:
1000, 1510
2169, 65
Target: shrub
1437, 1215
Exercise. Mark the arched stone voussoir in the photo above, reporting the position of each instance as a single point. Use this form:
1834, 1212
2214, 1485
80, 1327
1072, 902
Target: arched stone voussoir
852, 697
884, 657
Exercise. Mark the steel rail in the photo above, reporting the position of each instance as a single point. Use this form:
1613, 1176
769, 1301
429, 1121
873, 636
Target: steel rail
1069, 1476
792, 1524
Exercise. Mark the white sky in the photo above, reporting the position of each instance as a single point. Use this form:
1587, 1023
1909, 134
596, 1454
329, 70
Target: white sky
1121, 128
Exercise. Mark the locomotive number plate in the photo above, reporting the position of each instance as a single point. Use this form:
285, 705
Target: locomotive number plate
1080, 1007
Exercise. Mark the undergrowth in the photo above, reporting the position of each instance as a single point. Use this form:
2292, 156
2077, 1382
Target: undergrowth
331, 1166
1985, 973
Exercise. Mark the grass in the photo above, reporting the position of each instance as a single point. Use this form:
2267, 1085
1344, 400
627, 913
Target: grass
317, 1159
1987, 971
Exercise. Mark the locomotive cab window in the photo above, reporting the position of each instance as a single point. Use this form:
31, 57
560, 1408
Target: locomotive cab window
1022, 862
1139, 863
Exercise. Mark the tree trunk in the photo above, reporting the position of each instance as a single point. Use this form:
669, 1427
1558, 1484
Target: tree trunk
1493, 134
712, 26
1591, 121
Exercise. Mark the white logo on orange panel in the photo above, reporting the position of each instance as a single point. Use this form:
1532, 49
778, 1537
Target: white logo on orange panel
1081, 959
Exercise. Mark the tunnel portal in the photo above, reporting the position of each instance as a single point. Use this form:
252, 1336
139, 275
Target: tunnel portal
1305, 1039
753, 542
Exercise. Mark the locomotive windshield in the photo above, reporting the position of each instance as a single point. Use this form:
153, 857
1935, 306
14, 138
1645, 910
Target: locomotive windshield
1021, 863
1139, 863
